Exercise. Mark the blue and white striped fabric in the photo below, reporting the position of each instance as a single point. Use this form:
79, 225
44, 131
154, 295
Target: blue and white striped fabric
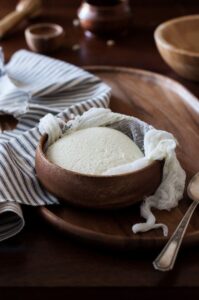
32, 85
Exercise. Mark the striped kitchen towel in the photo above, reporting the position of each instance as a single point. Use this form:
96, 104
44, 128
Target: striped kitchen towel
32, 85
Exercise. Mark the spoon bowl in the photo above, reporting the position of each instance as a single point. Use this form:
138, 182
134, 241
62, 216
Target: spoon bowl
193, 188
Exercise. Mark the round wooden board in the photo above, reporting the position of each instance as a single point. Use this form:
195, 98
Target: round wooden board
166, 105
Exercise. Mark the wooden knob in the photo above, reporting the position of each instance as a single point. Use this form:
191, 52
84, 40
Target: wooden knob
25, 9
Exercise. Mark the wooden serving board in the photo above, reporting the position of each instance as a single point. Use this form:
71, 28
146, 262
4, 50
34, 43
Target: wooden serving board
166, 105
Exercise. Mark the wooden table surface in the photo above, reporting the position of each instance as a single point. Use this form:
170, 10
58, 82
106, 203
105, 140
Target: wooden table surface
39, 256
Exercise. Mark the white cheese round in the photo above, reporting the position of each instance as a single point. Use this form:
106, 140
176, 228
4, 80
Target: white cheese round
93, 150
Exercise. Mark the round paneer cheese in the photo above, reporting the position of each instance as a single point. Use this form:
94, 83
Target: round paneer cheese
93, 150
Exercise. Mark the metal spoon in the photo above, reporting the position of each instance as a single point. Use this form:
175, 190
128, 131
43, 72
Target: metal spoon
167, 257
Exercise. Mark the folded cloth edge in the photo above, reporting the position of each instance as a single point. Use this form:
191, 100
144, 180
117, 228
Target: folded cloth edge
16, 209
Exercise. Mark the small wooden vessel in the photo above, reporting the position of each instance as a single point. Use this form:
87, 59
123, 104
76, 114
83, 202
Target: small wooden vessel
44, 37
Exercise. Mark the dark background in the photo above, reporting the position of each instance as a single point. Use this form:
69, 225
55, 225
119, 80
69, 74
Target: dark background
55, 265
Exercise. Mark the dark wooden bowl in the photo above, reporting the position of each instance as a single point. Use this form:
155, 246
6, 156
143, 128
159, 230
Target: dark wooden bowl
96, 191
105, 19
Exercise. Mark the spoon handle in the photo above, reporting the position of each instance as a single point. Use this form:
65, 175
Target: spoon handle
167, 257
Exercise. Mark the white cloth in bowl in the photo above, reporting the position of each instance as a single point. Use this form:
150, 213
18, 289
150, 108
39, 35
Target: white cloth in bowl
156, 144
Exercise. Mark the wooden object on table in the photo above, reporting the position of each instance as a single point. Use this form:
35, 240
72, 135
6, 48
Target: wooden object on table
44, 37
105, 18
167, 105
99, 192
24, 10
178, 43
39, 256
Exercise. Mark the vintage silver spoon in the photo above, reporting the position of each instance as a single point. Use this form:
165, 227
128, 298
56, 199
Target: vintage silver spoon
167, 257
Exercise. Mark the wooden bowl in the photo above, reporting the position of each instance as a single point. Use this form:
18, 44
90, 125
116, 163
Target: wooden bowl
96, 191
44, 37
105, 18
178, 43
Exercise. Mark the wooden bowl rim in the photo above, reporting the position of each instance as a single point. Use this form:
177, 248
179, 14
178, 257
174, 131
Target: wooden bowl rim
159, 37
42, 142
58, 31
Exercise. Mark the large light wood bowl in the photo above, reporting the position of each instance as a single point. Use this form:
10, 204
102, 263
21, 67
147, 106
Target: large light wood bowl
178, 43
96, 191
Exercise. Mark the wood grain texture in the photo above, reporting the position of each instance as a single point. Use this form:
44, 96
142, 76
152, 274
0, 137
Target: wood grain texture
40, 256
166, 105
